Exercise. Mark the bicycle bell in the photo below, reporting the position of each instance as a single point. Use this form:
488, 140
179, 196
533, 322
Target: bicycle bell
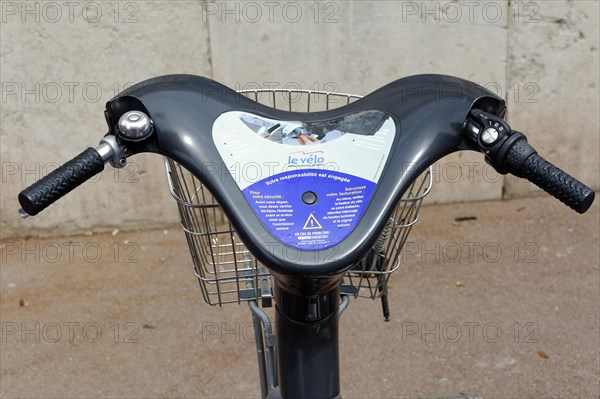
135, 126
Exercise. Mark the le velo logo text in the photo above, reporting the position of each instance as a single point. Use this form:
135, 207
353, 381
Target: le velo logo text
302, 158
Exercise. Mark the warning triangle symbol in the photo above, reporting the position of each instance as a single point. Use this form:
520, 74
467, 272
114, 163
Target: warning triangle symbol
312, 223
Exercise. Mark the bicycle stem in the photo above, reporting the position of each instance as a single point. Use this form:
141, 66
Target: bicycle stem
309, 323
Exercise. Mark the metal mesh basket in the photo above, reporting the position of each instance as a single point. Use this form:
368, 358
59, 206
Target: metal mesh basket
369, 277
228, 272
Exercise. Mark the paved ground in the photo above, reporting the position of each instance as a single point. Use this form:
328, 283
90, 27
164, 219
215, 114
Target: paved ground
513, 313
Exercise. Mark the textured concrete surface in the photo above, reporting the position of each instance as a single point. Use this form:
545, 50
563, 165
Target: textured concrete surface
553, 70
59, 66
57, 74
506, 305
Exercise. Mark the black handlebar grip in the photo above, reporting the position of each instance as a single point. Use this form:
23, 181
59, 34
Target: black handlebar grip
561, 185
523, 161
61, 181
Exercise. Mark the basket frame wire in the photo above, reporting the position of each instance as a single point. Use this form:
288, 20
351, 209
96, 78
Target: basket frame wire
226, 270
373, 283
253, 93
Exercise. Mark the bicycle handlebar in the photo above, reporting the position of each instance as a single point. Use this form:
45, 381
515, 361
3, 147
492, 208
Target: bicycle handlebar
197, 123
509, 152
523, 161
60, 182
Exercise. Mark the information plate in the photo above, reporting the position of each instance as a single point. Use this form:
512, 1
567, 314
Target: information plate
308, 182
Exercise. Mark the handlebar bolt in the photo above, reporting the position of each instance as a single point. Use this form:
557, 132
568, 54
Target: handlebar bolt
489, 136
122, 162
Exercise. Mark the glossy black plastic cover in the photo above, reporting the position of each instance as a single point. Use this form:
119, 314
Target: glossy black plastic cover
429, 112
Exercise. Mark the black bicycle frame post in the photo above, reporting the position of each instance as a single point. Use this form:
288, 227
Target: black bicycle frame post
308, 343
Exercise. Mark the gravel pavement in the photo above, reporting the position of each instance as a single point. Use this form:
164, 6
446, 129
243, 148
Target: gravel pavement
505, 305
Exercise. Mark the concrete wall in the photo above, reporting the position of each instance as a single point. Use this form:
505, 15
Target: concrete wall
61, 62
559, 55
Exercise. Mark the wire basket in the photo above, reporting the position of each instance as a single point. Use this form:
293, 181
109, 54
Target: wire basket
369, 277
225, 268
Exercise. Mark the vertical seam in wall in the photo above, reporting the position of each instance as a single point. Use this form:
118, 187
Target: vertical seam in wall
209, 45
507, 81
